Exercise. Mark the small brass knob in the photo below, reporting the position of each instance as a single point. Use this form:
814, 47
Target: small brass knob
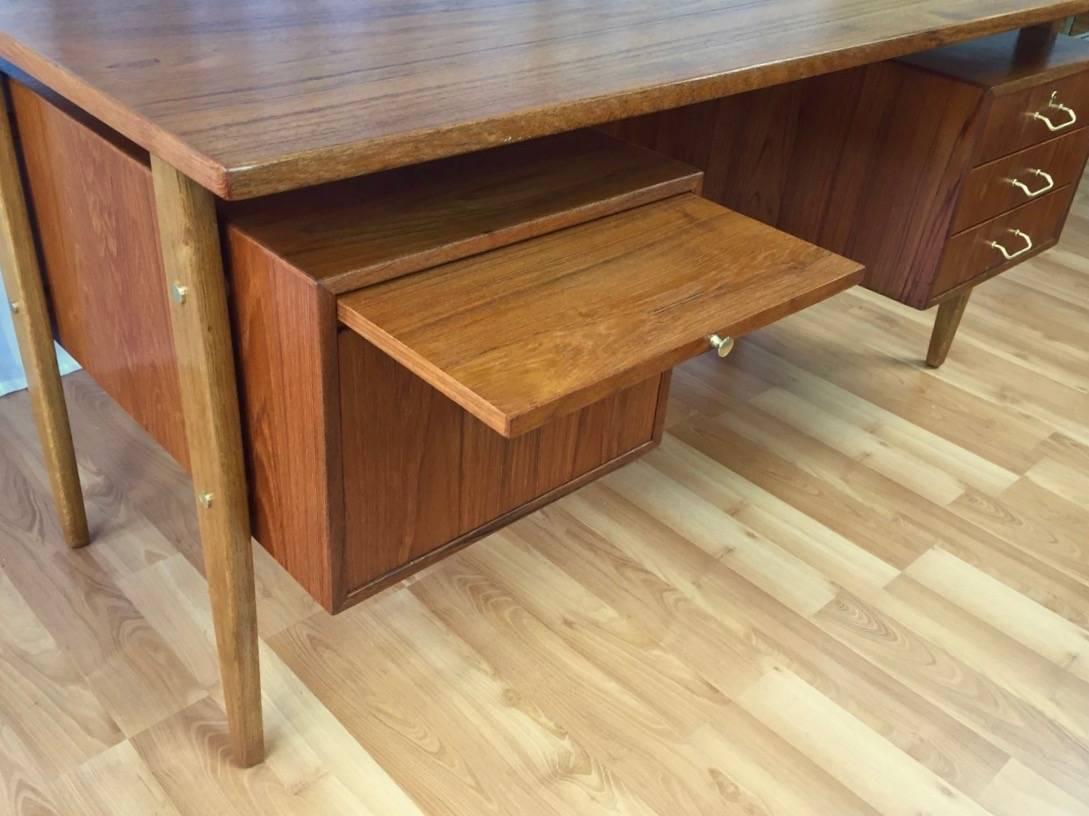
723, 345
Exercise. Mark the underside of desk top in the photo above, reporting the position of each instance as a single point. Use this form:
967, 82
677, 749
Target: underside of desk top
250, 97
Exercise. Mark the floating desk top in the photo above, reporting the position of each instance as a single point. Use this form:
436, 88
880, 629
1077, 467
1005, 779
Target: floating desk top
249, 97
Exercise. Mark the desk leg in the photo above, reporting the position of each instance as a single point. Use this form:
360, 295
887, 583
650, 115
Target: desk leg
23, 283
189, 236
945, 328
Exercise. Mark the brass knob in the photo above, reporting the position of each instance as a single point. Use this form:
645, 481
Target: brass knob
723, 345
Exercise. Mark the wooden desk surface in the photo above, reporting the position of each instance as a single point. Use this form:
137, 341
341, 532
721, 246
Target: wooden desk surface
250, 97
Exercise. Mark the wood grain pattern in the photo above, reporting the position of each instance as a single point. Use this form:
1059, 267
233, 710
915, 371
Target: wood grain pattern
30, 316
249, 108
969, 257
844, 161
950, 313
643, 647
547, 326
988, 190
285, 333
193, 266
1011, 126
421, 473
847, 160
93, 202
371, 229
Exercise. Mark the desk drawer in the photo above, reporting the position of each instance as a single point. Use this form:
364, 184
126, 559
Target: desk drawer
1026, 117
1022, 233
1001, 185
542, 328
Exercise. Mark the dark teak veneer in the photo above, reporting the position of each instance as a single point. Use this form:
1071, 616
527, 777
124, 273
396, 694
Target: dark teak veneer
357, 86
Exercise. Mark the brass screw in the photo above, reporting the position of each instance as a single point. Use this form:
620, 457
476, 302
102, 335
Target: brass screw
179, 293
206, 499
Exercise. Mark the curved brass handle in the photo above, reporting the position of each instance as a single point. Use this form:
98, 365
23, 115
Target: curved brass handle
1009, 256
1054, 104
723, 345
1049, 184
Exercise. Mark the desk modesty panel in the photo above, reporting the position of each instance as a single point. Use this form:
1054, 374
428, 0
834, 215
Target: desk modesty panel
319, 92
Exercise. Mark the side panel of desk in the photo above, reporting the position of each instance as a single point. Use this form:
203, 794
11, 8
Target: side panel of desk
92, 201
92, 204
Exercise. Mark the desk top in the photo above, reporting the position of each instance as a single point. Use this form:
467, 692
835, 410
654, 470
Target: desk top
250, 97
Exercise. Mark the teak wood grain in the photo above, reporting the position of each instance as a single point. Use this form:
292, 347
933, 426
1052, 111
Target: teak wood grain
367, 230
25, 291
845, 161
969, 256
657, 611
285, 333
989, 190
546, 326
93, 202
1011, 126
422, 476
255, 98
868, 163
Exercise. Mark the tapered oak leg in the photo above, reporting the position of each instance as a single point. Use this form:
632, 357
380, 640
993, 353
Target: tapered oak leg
23, 282
945, 328
189, 236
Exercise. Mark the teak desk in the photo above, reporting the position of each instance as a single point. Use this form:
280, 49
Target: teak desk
373, 372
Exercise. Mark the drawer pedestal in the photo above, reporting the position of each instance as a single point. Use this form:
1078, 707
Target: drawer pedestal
936, 172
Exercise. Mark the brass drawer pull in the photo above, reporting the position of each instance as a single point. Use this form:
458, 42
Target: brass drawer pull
1049, 184
723, 345
1009, 256
1054, 104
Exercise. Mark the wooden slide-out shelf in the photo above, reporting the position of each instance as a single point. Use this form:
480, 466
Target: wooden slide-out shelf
546, 326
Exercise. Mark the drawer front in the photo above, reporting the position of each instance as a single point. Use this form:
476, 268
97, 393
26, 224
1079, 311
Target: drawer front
1009, 182
1033, 115
1021, 233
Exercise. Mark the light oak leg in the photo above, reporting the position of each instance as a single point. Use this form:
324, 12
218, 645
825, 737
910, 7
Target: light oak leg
189, 236
23, 282
945, 328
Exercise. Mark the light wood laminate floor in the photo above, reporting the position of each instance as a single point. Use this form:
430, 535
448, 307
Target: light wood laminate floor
844, 584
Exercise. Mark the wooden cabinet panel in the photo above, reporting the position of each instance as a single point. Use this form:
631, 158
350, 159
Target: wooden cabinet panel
1013, 122
989, 190
375, 228
845, 161
970, 255
422, 476
93, 206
